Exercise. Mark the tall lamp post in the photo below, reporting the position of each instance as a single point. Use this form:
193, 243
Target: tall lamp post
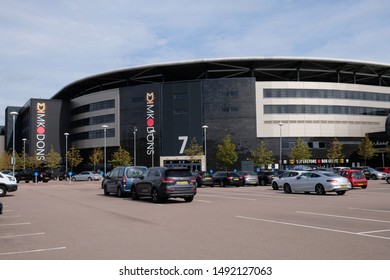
105, 148
13, 161
66, 153
24, 153
205, 127
135, 145
280, 145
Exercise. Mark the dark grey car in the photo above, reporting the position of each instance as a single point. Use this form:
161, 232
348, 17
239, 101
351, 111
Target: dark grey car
161, 183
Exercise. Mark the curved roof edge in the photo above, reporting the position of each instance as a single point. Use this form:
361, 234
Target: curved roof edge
199, 68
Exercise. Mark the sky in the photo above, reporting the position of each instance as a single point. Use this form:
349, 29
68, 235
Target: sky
48, 44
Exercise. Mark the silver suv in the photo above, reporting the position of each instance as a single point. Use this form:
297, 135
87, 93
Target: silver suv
7, 184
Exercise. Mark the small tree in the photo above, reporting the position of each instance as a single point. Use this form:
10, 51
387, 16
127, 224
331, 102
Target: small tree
5, 161
366, 149
74, 157
226, 152
194, 150
96, 156
120, 157
300, 151
53, 159
335, 151
262, 156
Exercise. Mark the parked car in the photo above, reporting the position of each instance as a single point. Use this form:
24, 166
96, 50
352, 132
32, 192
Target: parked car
371, 173
104, 178
383, 169
63, 176
338, 169
223, 179
278, 182
161, 183
121, 178
355, 177
388, 178
30, 175
318, 182
266, 177
1, 208
204, 178
249, 178
7, 184
86, 176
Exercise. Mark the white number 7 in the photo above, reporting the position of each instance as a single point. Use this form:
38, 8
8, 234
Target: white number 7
184, 144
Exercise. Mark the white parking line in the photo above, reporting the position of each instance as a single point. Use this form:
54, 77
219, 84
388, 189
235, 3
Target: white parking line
230, 197
32, 251
14, 216
343, 217
17, 224
21, 235
312, 227
374, 231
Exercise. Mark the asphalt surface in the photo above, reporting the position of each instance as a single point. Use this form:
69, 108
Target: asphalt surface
75, 221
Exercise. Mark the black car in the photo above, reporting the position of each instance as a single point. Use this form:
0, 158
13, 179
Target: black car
224, 178
161, 183
204, 178
266, 177
1, 208
29, 175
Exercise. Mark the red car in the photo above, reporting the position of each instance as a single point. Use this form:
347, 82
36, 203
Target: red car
356, 177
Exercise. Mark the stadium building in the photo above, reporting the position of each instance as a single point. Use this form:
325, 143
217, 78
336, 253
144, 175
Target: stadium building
155, 111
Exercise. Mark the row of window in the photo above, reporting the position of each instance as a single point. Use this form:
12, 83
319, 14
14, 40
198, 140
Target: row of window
325, 109
101, 105
94, 134
93, 121
325, 93
311, 145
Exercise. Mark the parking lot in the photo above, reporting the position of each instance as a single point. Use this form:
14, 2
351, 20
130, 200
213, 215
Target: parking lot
74, 220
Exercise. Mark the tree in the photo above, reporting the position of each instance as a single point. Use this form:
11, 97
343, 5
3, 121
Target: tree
226, 152
120, 157
194, 150
96, 156
262, 156
300, 151
366, 149
53, 159
335, 151
74, 157
5, 161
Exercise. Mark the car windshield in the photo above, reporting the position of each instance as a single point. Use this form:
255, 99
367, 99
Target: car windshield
357, 175
134, 172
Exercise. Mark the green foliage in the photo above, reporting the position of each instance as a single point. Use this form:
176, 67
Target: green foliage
53, 159
262, 156
74, 157
194, 149
96, 156
335, 151
300, 151
226, 153
120, 157
5, 161
366, 149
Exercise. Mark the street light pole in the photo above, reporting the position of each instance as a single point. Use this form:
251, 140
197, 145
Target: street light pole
24, 153
13, 114
280, 145
66, 153
105, 148
205, 127
135, 145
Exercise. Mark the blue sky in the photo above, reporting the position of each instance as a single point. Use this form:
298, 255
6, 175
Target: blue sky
47, 44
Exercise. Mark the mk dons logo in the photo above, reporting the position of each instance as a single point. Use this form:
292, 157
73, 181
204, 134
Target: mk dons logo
41, 131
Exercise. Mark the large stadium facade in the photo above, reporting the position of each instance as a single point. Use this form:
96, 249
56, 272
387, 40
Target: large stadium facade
155, 111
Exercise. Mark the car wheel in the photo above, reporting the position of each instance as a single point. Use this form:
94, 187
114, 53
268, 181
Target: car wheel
287, 188
320, 189
89, 179
134, 194
73, 179
3, 191
119, 192
262, 182
189, 198
105, 190
388, 180
222, 184
275, 186
155, 196
340, 192
374, 177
